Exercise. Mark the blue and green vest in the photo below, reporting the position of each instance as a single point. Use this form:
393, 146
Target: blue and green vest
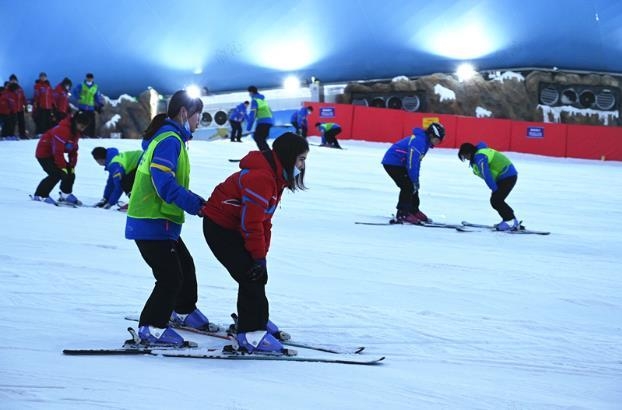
128, 160
87, 95
145, 203
497, 162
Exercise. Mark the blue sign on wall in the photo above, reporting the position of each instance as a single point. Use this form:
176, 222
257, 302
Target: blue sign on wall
535, 132
327, 112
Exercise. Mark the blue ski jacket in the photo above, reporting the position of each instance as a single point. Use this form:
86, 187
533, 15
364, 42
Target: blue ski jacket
503, 168
239, 113
163, 168
408, 152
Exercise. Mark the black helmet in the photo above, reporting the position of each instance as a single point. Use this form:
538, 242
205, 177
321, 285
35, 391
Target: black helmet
466, 149
436, 130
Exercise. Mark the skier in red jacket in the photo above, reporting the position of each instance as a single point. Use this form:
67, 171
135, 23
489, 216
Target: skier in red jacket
61, 99
51, 150
237, 225
43, 104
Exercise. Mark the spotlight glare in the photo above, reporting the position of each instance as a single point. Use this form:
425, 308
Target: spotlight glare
291, 83
465, 72
193, 91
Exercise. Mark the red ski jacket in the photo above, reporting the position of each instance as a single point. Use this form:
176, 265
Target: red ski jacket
57, 142
43, 97
8, 104
61, 99
246, 201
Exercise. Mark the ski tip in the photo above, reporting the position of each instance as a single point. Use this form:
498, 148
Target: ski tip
360, 349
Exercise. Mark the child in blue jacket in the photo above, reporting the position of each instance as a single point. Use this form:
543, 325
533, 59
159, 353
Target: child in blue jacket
500, 176
402, 161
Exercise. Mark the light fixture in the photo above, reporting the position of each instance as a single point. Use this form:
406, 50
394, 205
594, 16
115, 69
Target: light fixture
291, 83
193, 91
465, 72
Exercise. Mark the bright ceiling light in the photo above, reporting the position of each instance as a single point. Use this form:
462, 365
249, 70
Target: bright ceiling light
291, 83
465, 72
473, 35
193, 91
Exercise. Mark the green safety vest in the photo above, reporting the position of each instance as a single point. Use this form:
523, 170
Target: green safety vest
87, 95
145, 203
263, 109
328, 126
128, 160
497, 162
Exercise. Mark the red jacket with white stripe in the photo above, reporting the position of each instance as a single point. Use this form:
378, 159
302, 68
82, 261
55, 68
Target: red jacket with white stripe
246, 201
59, 141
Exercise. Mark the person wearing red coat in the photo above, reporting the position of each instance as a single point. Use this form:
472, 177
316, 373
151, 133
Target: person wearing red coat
20, 100
237, 226
51, 150
43, 104
8, 110
61, 99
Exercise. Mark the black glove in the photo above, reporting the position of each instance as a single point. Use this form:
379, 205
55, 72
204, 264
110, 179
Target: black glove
258, 272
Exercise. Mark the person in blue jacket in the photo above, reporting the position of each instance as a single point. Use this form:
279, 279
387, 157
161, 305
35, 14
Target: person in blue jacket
499, 174
402, 161
262, 114
237, 116
87, 97
121, 168
299, 120
155, 215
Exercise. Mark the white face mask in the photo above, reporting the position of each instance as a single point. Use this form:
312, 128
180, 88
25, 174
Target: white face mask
296, 171
89, 83
187, 125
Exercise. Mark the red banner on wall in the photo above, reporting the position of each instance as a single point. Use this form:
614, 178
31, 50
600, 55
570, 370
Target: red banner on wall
559, 140
494, 132
377, 124
338, 113
539, 138
591, 142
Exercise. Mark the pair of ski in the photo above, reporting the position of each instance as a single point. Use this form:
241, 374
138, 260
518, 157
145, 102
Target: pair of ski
192, 350
56, 203
459, 228
464, 226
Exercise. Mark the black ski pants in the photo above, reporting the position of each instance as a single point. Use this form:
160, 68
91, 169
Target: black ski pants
228, 247
497, 199
331, 136
408, 201
236, 130
261, 134
55, 174
176, 281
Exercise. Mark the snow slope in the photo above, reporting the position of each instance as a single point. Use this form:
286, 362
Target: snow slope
478, 320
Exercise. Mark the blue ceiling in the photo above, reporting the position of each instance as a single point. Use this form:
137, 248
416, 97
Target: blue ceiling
228, 45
